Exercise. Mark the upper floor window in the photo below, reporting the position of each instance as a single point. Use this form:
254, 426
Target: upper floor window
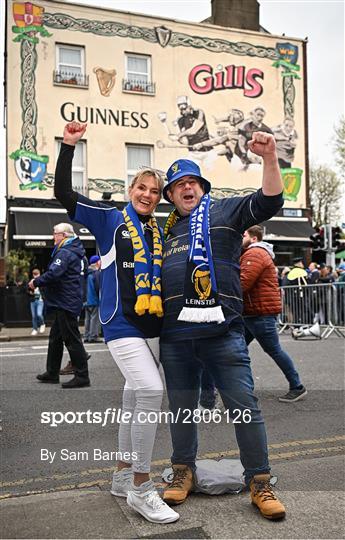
138, 156
79, 179
70, 65
138, 74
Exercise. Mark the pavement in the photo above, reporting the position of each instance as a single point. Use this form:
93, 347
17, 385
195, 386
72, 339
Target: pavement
314, 501
94, 513
16, 334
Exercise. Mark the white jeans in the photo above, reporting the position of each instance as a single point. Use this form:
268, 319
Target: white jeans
142, 394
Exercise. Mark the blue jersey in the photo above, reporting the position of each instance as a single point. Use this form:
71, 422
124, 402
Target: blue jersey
117, 289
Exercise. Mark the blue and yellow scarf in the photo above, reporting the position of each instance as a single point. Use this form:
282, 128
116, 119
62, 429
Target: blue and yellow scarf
147, 273
64, 242
200, 288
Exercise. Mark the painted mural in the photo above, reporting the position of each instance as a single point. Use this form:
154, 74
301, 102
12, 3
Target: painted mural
205, 137
106, 79
30, 167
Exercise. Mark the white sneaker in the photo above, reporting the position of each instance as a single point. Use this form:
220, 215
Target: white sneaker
34, 333
122, 481
42, 328
150, 505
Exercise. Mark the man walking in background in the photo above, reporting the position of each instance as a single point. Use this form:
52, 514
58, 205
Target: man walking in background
62, 284
92, 324
262, 304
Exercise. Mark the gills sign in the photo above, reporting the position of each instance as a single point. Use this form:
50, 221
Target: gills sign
203, 79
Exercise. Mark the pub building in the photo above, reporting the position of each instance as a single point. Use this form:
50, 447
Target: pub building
152, 90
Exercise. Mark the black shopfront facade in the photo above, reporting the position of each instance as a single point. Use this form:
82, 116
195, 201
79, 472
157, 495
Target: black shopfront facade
31, 222
30, 227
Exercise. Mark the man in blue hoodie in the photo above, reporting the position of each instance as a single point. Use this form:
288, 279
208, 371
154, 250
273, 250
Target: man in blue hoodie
92, 324
62, 283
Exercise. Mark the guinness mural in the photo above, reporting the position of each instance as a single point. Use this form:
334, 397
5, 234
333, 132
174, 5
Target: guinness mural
204, 110
134, 119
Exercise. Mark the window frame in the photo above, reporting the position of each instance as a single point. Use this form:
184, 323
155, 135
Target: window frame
132, 172
77, 169
141, 56
58, 69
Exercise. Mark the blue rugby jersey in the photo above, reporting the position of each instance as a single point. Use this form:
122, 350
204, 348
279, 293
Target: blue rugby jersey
118, 296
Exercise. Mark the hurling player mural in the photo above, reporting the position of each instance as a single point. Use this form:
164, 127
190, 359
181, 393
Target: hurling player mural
233, 130
209, 113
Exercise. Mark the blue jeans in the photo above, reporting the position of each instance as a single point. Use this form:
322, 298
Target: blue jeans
226, 358
92, 324
37, 313
208, 391
264, 330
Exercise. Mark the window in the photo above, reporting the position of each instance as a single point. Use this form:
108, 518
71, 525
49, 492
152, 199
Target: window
70, 65
137, 157
138, 74
79, 180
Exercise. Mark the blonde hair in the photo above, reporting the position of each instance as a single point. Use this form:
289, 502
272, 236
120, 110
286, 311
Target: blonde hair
65, 228
147, 171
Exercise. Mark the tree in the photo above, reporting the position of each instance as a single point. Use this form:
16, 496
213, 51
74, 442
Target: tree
17, 265
339, 145
325, 195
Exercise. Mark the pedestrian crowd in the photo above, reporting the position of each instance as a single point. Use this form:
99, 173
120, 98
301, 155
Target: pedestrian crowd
313, 295
193, 273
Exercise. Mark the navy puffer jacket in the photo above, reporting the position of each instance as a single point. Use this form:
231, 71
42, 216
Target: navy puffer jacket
63, 282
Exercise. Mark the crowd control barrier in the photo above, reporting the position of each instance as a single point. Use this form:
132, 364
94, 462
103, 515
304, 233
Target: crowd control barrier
307, 305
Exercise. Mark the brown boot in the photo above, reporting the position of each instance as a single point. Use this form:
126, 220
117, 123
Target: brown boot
181, 486
263, 497
68, 369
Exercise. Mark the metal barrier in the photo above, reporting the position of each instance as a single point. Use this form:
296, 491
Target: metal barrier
322, 303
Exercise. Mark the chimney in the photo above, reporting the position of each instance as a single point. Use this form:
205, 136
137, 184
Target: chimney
243, 14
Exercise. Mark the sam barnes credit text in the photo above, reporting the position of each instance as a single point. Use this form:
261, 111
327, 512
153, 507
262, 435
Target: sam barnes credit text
97, 454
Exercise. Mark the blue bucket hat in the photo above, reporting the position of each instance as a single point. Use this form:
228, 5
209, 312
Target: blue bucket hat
180, 168
93, 259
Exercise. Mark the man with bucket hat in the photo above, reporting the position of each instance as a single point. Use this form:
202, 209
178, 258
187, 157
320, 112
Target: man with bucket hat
203, 327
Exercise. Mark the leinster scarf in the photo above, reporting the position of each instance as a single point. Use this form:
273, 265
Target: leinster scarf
200, 288
147, 273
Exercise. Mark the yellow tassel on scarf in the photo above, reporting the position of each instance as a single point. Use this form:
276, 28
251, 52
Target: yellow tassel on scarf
142, 304
147, 272
156, 306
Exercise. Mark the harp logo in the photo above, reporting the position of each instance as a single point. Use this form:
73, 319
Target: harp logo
106, 79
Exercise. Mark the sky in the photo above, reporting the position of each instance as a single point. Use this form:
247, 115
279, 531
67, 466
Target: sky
322, 22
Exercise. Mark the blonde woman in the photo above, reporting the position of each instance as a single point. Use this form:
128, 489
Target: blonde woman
130, 245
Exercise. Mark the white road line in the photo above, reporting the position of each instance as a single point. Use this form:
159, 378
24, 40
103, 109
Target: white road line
12, 349
44, 353
25, 354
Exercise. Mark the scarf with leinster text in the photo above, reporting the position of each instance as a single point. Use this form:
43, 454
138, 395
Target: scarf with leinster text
200, 287
147, 273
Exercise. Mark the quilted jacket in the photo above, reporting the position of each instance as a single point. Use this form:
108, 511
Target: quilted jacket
261, 294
